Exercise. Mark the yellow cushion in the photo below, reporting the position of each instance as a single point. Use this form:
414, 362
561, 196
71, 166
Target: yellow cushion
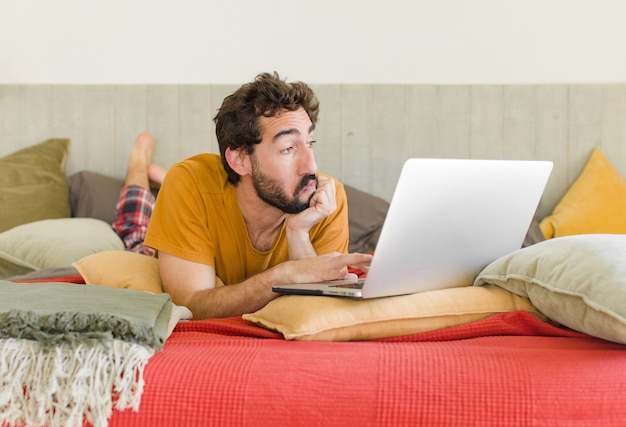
317, 318
121, 269
594, 204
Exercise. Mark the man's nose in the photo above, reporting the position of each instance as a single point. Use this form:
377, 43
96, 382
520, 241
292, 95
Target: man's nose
307, 161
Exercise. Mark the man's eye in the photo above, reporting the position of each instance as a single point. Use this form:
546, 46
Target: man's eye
286, 150
310, 144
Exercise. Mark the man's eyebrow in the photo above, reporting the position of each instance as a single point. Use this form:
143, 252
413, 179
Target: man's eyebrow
291, 131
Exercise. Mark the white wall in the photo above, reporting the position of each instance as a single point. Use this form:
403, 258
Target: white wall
318, 41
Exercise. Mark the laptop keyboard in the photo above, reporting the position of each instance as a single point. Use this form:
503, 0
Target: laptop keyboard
355, 285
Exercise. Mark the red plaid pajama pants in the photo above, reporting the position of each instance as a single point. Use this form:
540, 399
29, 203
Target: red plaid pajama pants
133, 212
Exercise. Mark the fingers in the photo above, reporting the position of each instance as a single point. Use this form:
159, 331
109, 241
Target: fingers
357, 259
350, 276
342, 262
325, 196
330, 266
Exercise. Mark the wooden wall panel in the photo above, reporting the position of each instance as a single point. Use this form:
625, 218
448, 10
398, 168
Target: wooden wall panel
356, 136
196, 121
487, 122
551, 143
421, 121
164, 121
68, 121
388, 137
519, 123
614, 125
131, 118
365, 132
33, 115
454, 122
98, 104
328, 130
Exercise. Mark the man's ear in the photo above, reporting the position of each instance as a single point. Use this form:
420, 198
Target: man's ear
238, 161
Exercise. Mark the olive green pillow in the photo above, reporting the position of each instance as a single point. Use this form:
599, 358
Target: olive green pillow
33, 185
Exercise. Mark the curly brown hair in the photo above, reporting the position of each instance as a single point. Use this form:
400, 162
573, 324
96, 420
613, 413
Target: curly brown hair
237, 120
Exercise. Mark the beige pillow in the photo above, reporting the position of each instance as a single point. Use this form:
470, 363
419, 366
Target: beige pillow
121, 269
53, 243
33, 184
317, 318
578, 281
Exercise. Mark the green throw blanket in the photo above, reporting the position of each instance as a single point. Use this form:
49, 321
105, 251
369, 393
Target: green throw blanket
69, 353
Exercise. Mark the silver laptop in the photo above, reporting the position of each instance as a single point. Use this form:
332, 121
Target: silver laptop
448, 219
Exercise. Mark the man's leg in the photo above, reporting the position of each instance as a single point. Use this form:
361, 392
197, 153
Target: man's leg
136, 202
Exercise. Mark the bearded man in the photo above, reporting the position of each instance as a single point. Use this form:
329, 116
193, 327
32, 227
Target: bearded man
227, 228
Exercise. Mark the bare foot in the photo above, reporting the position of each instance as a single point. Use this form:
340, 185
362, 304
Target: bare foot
139, 161
156, 173
144, 145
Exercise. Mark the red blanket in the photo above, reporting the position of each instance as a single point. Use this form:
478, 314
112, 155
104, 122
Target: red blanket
509, 369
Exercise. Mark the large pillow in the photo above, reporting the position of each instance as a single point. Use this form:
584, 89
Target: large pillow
33, 184
366, 214
578, 281
93, 195
595, 202
318, 318
53, 243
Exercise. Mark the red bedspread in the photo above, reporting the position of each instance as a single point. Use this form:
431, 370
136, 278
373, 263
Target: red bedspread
507, 370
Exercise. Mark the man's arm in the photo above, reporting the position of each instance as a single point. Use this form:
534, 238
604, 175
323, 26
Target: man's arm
193, 285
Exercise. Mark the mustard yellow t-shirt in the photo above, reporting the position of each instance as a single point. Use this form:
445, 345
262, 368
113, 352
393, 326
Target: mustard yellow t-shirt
197, 218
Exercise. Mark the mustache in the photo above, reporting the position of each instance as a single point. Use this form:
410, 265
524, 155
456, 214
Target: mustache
305, 181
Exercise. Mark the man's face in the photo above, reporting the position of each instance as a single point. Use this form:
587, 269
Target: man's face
283, 164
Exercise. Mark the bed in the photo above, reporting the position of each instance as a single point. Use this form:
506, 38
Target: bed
538, 338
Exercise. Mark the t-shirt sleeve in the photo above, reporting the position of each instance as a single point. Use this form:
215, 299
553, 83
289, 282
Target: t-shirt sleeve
178, 225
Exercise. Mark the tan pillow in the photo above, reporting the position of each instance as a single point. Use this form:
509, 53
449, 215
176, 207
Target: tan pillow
317, 318
33, 184
121, 269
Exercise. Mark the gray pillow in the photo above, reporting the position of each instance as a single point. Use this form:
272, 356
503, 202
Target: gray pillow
578, 281
53, 243
366, 214
93, 195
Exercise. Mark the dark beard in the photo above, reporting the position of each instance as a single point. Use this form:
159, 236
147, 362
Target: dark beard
271, 193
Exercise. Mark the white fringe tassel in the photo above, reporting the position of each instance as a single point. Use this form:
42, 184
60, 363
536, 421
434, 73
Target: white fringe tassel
69, 385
